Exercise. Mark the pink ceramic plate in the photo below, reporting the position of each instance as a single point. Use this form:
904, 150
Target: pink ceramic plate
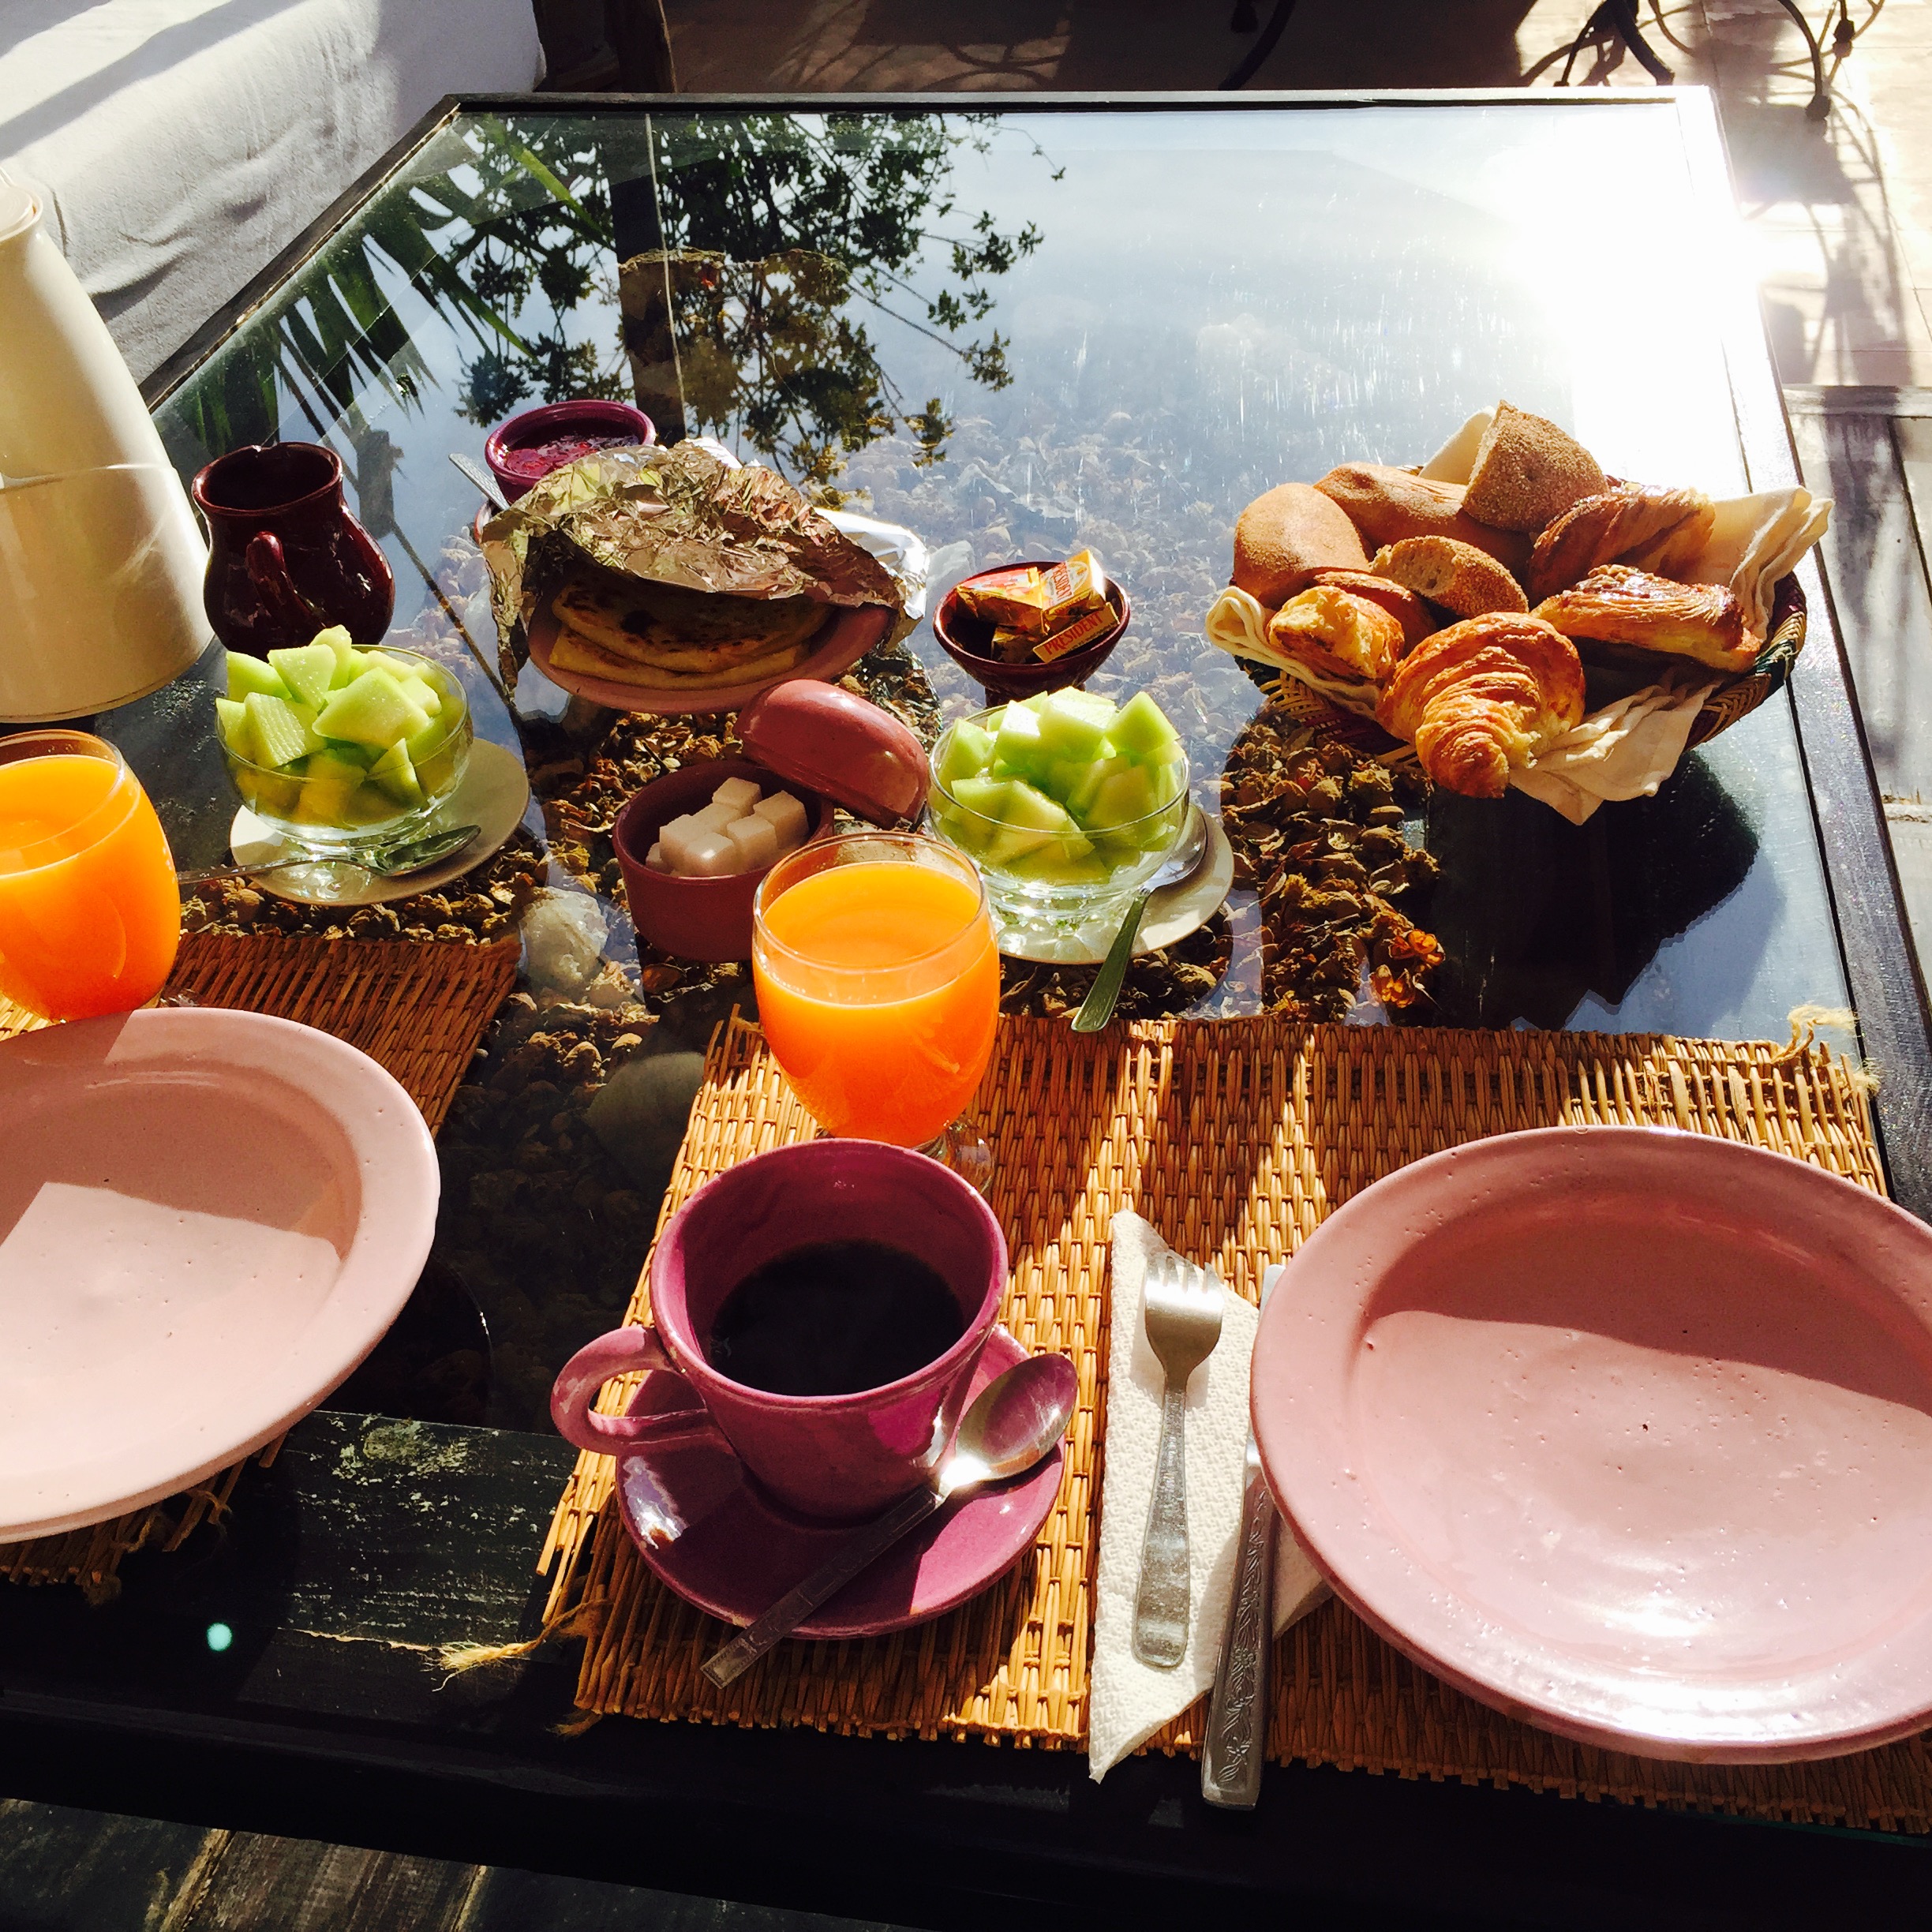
852, 634
1626, 1431
207, 1220
710, 1534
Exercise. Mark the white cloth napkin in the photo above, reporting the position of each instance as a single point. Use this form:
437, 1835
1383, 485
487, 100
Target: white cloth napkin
1129, 1701
1626, 750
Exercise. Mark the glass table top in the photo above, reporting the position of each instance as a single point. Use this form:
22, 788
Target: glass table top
1017, 333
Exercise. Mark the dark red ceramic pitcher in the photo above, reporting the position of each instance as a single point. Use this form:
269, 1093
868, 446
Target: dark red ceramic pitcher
286, 559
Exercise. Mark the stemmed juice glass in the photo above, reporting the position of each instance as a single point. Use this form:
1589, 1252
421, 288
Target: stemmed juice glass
90, 913
879, 989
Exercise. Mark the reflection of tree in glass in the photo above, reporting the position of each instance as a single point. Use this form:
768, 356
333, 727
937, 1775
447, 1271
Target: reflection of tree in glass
777, 233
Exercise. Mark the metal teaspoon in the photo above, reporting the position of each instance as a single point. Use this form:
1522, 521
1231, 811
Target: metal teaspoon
1097, 1008
387, 858
1019, 1417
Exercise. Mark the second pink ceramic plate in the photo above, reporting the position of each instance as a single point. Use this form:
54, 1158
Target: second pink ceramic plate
208, 1218
1625, 1432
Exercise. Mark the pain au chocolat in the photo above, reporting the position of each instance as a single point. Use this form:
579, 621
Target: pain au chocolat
1339, 634
1664, 530
1483, 697
1619, 605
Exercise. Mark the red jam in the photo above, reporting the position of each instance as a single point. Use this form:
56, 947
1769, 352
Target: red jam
536, 460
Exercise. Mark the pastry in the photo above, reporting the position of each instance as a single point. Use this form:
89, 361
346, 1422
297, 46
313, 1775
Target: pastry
1403, 604
1664, 530
1339, 634
672, 628
1621, 605
1456, 575
1386, 505
1283, 537
1483, 697
1528, 472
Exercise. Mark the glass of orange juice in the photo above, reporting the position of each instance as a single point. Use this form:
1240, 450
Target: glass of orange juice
879, 989
90, 913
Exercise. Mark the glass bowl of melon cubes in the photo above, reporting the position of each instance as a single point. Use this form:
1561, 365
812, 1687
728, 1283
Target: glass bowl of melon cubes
1065, 802
333, 745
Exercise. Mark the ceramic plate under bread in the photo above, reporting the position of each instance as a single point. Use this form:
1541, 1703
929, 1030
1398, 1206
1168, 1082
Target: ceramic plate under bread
1626, 1431
208, 1218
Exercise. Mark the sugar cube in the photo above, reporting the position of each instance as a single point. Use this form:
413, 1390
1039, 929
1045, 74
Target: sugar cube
787, 817
710, 855
717, 816
655, 861
696, 851
756, 841
739, 794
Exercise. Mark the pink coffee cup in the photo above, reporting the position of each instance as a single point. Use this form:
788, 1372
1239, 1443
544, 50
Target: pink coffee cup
833, 1456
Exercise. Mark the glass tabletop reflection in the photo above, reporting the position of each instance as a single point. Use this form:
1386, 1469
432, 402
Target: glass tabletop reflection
1018, 334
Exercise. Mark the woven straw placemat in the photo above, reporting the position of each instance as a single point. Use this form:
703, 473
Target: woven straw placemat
1235, 1138
418, 1010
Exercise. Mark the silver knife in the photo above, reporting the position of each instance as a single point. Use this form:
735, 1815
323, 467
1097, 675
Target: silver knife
1236, 1746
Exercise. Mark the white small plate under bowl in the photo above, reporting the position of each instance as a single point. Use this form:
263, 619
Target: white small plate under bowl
852, 634
1174, 912
207, 1219
493, 796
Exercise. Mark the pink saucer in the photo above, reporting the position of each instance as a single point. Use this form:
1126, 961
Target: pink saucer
852, 634
1627, 1432
710, 1534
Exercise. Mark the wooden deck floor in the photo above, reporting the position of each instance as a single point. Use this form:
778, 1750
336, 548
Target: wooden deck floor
64, 1871
1870, 450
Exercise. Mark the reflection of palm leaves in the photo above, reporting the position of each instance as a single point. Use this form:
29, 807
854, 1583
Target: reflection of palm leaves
338, 332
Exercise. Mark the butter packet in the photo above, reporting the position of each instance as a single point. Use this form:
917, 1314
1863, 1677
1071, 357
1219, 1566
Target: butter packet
1085, 629
1007, 597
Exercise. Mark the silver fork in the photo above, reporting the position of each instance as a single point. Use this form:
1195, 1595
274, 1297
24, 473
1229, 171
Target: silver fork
1183, 1306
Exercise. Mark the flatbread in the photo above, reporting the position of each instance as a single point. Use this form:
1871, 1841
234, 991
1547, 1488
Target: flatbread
675, 629
572, 651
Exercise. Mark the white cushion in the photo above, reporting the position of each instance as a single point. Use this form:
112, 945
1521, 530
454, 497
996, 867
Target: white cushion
179, 145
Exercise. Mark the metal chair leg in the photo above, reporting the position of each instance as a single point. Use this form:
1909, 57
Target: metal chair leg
1819, 106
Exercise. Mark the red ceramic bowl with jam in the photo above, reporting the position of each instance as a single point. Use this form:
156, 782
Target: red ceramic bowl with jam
968, 640
527, 448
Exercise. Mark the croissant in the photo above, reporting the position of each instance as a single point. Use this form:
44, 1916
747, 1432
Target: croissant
1658, 530
1336, 632
1483, 696
1620, 605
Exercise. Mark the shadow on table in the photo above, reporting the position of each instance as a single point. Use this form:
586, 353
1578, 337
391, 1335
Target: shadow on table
1535, 914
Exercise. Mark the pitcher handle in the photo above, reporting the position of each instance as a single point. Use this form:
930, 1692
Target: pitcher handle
269, 570
622, 1351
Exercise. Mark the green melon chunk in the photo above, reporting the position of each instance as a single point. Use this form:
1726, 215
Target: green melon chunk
1124, 797
1141, 730
1051, 867
231, 720
969, 752
1080, 799
373, 710
327, 789
1071, 728
986, 796
397, 776
247, 674
1036, 703
1017, 742
282, 731
337, 638
421, 694
307, 670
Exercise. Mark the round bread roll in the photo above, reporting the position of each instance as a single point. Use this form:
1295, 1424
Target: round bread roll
1386, 505
1528, 471
1456, 575
1403, 606
1283, 537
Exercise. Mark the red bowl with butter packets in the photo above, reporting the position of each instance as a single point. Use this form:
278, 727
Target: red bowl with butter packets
967, 641
824, 745
529, 445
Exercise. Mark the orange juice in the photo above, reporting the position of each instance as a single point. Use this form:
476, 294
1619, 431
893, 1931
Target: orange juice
90, 914
879, 988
